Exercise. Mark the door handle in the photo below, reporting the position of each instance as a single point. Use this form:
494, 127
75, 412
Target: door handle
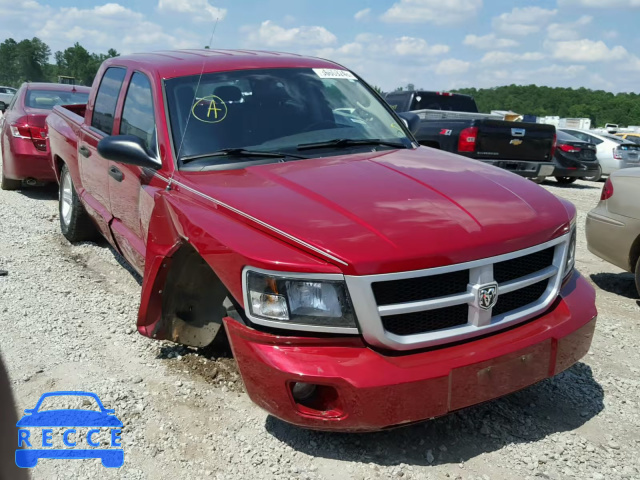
84, 151
116, 173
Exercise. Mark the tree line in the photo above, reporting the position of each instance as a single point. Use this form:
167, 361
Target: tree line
600, 106
30, 61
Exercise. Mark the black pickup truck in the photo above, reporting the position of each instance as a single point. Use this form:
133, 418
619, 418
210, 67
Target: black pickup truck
451, 122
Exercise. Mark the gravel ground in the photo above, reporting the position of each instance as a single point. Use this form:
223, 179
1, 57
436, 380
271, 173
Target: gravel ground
69, 312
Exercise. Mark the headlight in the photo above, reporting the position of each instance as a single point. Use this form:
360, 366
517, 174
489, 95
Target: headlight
571, 253
299, 302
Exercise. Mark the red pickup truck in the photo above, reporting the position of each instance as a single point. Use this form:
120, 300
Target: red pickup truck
363, 281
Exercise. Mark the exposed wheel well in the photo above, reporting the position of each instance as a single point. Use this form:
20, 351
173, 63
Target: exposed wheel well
634, 254
194, 300
58, 163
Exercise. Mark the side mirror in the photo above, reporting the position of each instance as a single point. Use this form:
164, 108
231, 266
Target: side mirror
411, 120
3, 107
127, 149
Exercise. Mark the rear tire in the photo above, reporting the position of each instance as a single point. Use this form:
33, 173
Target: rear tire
538, 180
638, 275
596, 177
565, 180
7, 183
75, 223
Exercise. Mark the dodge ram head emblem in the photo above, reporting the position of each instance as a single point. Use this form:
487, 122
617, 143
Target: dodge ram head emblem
488, 296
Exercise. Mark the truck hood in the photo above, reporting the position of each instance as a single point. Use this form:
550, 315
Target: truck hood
392, 211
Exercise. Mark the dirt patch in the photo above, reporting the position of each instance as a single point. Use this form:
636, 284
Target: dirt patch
219, 369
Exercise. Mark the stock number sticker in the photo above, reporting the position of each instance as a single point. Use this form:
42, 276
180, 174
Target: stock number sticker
334, 73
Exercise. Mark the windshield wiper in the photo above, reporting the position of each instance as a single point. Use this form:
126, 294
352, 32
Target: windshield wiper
350, 142
238, 152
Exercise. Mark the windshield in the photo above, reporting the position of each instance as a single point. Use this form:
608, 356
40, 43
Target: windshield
47, 99
275, 110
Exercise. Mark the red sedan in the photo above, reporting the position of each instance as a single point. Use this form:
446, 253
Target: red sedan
23, 137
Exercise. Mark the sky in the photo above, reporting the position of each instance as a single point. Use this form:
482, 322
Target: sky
433, 44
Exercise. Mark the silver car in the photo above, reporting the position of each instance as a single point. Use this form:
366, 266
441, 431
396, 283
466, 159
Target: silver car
613, 227
6, 95
613, 152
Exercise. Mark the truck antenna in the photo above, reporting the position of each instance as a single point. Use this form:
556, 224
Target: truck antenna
195, 93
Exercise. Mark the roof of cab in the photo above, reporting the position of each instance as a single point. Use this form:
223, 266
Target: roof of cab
177, 63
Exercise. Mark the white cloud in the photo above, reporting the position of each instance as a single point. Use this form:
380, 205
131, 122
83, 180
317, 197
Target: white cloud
101, 27
586, 50
497, 58
272, 35
417, 46
452, 66
601, 3
486, 42
381, 47
523, 21
201, 9
568, 31
363, 14
438, 12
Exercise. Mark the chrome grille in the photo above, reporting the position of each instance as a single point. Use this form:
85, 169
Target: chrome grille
522, 266
423, 308
425, 321
420, 288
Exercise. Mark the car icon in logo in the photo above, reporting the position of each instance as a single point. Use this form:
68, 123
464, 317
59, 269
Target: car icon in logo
70, 420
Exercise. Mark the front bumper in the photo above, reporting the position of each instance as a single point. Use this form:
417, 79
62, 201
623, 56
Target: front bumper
365, 390
523, 168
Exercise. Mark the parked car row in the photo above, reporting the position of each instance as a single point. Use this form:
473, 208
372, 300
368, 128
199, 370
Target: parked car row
614, 153
277, 198
451, 122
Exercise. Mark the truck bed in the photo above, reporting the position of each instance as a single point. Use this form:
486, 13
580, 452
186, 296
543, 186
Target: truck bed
64, 124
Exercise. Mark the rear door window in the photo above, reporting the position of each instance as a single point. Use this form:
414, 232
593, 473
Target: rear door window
138, 118
444, 101
105, 106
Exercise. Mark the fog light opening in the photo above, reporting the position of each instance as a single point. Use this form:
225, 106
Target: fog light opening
302, 391
316, 400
